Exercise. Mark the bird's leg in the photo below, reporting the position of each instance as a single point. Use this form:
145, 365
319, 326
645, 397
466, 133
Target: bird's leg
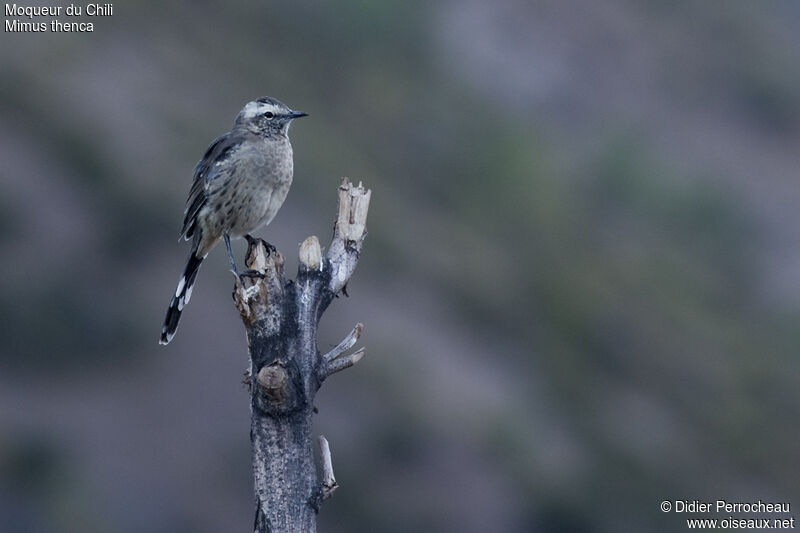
230, 252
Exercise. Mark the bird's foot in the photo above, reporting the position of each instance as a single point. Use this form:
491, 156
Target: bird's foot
252, 241
252, 274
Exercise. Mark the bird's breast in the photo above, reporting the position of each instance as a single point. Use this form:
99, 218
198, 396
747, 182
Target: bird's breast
259, 183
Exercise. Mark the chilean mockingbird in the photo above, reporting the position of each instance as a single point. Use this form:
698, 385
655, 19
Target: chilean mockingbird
239, 185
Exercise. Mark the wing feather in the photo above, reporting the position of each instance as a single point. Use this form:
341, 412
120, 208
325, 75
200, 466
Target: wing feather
204, 172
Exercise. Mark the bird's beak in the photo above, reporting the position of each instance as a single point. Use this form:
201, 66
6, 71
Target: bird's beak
297, 114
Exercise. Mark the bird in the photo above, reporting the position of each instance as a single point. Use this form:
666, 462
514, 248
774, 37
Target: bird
239, 185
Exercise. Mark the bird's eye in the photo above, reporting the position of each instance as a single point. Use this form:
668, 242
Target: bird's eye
269, 115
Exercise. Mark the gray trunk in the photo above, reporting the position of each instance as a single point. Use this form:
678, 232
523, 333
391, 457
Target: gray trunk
287, 369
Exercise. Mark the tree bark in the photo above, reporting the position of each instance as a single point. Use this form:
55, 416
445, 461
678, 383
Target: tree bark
286, 368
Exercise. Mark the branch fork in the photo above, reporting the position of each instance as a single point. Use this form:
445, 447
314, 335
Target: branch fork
336, 359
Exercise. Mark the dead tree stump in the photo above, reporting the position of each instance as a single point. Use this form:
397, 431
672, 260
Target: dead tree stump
286, 368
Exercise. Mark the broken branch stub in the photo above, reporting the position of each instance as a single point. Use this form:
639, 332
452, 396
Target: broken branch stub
348, 234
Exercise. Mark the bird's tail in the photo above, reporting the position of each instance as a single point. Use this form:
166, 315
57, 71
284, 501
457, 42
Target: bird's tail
181, 298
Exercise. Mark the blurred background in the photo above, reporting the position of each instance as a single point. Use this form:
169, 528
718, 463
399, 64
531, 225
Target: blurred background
580, 288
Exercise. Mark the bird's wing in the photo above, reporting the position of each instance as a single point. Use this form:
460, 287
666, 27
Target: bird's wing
205, 171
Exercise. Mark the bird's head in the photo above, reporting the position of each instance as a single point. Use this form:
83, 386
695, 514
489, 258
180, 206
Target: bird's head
267, 116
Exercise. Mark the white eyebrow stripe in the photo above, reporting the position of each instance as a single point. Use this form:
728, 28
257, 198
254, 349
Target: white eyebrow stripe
253, 109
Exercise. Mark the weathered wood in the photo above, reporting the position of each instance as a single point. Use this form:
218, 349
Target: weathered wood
286, 368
